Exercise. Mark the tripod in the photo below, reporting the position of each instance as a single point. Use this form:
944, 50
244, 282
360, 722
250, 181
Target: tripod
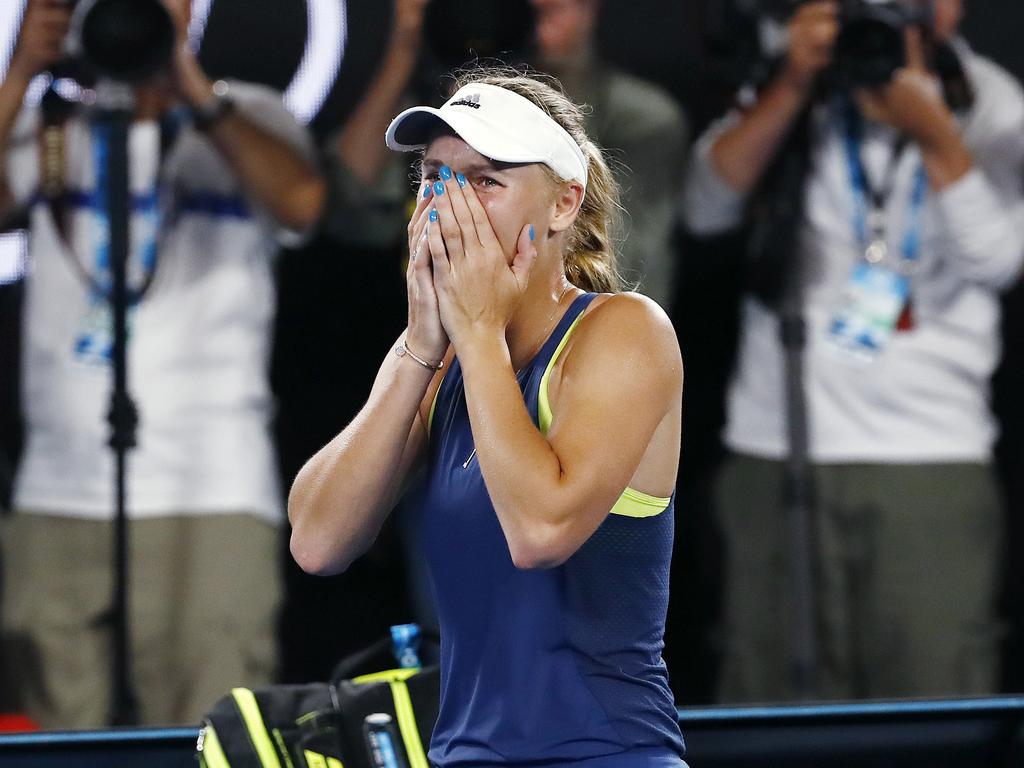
116, 105
775, 246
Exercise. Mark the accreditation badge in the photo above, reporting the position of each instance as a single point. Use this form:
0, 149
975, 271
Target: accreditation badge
94, 342
95, 337
874, 300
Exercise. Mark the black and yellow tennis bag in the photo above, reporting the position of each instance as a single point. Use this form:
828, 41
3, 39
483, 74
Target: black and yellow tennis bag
377, 720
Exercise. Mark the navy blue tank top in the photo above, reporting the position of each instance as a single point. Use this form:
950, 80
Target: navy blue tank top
542, 666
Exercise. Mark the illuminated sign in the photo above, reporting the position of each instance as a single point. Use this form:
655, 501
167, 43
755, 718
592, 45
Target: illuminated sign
327, 33
314, 77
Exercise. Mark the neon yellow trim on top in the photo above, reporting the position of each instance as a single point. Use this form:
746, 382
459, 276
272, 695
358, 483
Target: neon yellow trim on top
246, 701
631, 503
433, 406
213, 753
544, 415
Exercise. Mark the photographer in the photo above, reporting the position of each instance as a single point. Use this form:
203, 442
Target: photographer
913, 223
640, 126
216, 171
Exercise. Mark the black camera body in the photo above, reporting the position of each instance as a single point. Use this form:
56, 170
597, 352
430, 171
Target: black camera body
127, 41
871, 45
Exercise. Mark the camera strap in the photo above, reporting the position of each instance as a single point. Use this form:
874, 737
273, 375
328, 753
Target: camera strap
145, 214
151, 205
870, 220
94, 341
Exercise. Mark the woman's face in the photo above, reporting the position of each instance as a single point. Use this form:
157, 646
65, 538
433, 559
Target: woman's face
513, 195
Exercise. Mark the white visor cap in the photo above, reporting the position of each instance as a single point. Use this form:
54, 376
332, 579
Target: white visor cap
497, 123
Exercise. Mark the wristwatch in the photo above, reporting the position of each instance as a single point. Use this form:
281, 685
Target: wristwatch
215, 109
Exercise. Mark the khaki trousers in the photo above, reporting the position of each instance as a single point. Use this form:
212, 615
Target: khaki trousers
203, 598
909, 562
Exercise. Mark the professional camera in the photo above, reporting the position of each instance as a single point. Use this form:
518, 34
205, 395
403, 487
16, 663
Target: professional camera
128, 41
871, 44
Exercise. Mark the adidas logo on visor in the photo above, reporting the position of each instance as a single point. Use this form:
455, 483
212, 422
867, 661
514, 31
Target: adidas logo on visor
469, 100
512, 129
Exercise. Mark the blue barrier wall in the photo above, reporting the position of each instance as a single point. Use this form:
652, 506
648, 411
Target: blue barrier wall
973, 733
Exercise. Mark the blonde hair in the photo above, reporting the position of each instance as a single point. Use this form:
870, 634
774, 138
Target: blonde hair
590, 261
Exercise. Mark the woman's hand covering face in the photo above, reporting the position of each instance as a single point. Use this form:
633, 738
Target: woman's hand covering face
425, 336
478, 289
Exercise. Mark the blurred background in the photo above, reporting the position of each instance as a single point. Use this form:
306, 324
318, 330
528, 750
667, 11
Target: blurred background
323, 56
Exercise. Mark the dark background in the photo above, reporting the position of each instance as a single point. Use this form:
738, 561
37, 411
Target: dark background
340, 309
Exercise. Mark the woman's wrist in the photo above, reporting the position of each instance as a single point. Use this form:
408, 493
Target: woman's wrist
482, 346
428, 349
431, 363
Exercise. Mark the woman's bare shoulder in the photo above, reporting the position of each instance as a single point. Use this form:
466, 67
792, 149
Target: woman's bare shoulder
624, 330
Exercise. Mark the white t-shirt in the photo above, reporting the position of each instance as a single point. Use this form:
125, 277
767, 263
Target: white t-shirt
199, 349
926, 398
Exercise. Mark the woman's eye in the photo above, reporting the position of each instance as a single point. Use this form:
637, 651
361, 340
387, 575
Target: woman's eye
486, 181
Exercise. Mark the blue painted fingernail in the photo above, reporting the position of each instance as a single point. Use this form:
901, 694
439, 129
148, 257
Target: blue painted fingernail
426, 192
446, 172
433, 214
438, 187
461, 179
531, 232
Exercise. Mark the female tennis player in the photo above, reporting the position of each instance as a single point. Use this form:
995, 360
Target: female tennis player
545, 408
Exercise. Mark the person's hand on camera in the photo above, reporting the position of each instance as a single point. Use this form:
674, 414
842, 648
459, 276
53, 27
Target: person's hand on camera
425, 335
912, 101
41, 38
812, 36
188, 81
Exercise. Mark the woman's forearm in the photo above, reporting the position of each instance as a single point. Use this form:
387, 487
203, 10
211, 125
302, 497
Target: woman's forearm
343, 494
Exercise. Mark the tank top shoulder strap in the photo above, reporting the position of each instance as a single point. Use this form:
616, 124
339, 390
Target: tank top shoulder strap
633, 503
550, 349
530, 379
535, 387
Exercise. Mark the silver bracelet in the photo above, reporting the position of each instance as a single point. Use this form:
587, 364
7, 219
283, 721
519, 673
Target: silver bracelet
401, 350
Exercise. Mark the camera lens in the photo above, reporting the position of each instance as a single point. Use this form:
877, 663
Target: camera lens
870, 51
126, 40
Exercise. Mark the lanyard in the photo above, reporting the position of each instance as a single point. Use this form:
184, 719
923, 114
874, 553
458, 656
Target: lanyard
870, 204
147, 206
